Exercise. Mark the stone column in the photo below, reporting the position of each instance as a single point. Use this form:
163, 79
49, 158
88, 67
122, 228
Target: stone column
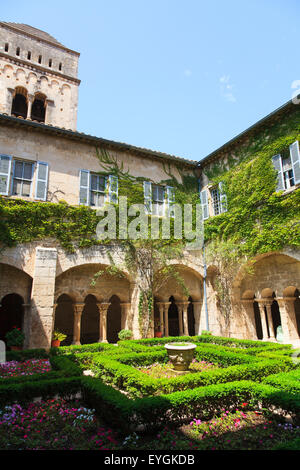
261, 306
161, 316
78, 309
197, 316
42, 298
180, 312
248, 308
29, 107
268, 305
103, 307
26, 324
125, 314
288, 318
183, 308
166, 312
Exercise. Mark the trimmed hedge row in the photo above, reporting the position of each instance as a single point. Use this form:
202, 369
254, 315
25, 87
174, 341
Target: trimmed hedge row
180, 407
120, 373
289, 382
27, 391
217, 340
26, 354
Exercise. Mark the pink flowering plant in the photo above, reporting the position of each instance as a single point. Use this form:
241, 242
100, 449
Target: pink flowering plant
54, 424
29, 367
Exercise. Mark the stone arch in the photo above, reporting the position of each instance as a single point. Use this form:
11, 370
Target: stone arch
273, 279
38, 109
64, 317
114, 319
11, 314
20, 102
8, 69
90, 321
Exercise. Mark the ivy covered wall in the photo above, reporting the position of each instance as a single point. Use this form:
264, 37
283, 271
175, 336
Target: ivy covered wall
258, 219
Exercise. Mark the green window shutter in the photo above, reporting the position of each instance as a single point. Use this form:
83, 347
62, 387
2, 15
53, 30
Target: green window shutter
277, 163
41, 181
148, 196
204, 204
113, 189
295, 157
223, 197
170, 200
5, 169
84, 181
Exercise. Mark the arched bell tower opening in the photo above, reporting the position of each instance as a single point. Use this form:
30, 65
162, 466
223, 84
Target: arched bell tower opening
20, 103
38, 110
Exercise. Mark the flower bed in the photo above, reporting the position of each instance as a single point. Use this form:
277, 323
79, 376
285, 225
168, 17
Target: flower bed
158, 370
29, 367
59, 424
54, 425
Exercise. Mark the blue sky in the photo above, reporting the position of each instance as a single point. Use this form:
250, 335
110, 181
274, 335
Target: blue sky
177, 76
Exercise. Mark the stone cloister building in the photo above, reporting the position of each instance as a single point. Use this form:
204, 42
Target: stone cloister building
43, 158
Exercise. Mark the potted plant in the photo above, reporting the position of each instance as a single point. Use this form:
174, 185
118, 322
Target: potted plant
124, 335
57, 338
157, 332
15, 339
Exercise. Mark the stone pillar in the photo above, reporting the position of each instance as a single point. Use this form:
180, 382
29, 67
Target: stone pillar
125, 315
42, 298
26, 324
288, 318
29, 107
78, 309
183, 306
261, 306
197, 316
180, 311
103, 307
161, 316
248, 308
268, 305
166, 312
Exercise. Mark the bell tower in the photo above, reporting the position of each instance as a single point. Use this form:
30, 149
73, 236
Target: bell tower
38, 76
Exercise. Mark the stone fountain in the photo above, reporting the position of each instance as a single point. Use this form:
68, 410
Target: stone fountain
180, 355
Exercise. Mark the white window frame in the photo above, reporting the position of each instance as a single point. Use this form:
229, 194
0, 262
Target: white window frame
166, 203
109, 194
22, 179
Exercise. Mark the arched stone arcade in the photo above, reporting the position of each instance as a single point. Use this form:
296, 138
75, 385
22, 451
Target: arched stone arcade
267, 300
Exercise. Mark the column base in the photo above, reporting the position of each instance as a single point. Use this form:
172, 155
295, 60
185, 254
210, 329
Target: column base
76, 343
102, 341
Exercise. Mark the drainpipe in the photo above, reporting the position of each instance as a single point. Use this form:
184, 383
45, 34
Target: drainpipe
204, 272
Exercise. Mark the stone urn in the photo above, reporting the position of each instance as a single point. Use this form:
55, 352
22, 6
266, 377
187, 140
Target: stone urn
180, 355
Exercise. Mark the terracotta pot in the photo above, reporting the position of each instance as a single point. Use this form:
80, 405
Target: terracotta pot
16, 348
55, 343
158, 334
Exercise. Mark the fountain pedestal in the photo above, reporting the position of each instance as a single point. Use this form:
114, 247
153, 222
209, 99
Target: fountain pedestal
180, 355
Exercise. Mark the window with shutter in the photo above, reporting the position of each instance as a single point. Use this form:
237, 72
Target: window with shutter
277, 163
113, 189
5, 168
204, 204
97, 190
41, 181
148, 197
170, 192
22, 178
84, 182
295, 158
223, 198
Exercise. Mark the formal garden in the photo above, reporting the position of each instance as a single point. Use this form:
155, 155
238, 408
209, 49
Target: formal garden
235, 395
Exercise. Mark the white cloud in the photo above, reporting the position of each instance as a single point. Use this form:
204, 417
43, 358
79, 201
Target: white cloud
187, 72
226, 88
